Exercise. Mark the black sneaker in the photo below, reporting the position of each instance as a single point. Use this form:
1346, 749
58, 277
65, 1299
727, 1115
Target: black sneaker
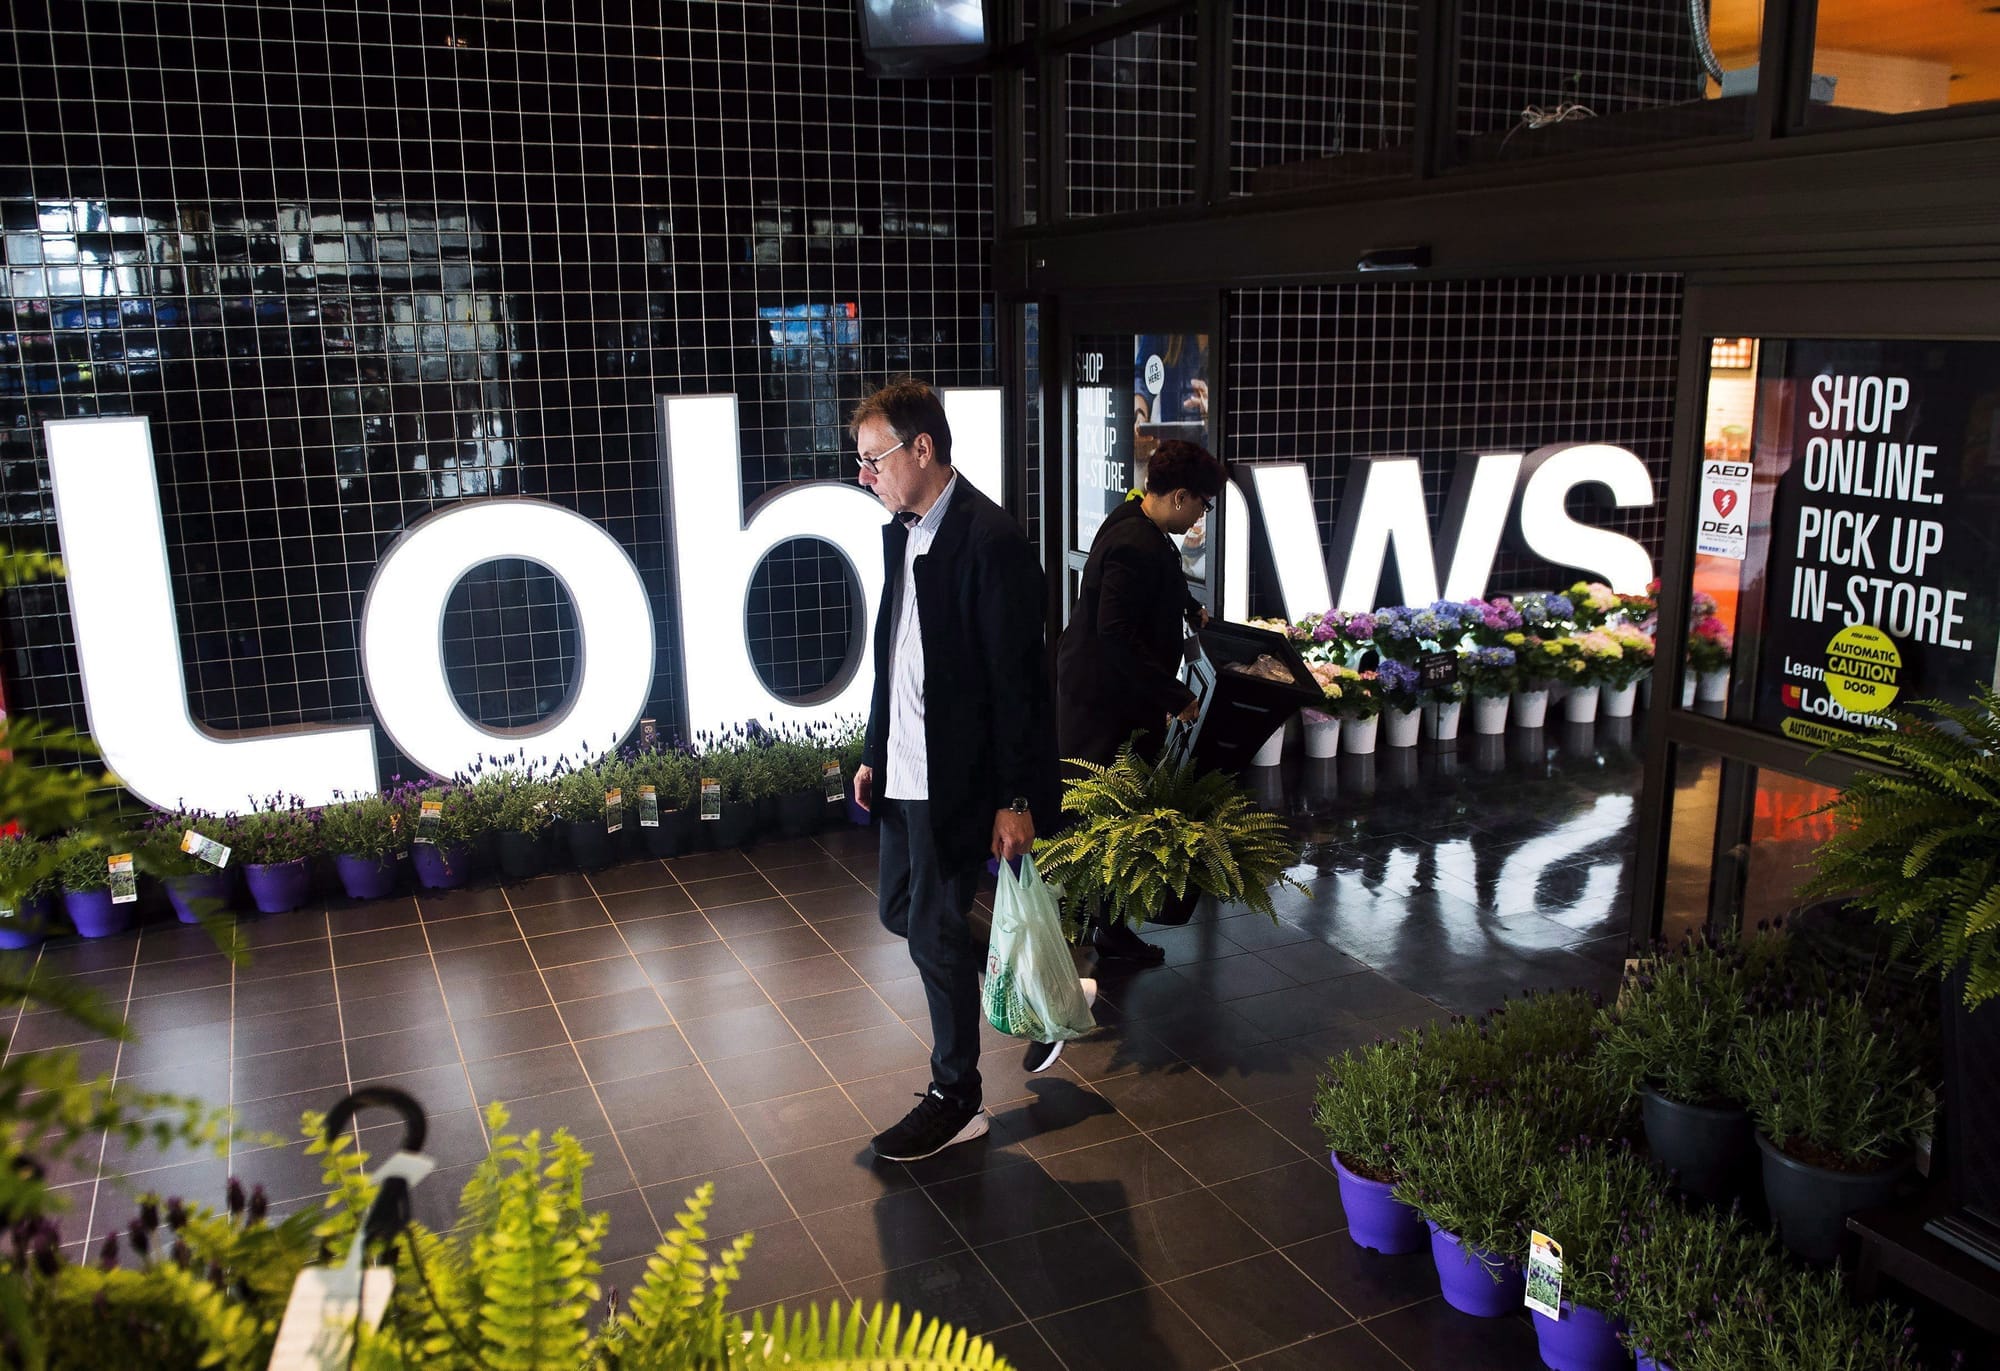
935, 1124
1041, 1056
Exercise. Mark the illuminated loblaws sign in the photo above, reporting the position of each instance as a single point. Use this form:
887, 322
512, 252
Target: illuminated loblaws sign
129, 655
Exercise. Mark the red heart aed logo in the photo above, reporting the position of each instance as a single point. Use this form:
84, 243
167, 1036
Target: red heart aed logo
1725, 500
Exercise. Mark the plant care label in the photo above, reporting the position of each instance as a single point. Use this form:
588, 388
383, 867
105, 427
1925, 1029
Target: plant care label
1545, 1275
124, 880
649, 733
430, 822
207, 849
649, 806
614, 810
711, 798
832, 781
319, 1325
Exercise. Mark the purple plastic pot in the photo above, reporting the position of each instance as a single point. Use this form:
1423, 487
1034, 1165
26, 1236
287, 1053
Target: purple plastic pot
29, 925
1476, 1283
278, 887
441, 866
203, 889
1376, 1219
93, 913
365, 878
1581, 1340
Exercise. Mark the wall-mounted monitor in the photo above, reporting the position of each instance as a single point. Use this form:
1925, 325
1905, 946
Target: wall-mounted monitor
922, 37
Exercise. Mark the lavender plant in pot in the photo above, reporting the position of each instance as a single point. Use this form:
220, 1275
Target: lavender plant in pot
84, 873
1370, 1107
196, 887
1839, 1104
669, 770
1588, 1200
1668, 1038
522, 806
26, 877
1681, 1266
364, 833
1469, 1181
445, 823
581, 806
275, 843
1803, 1319
794, 758
726, 759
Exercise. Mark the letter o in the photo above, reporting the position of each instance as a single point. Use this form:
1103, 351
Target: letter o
402, 641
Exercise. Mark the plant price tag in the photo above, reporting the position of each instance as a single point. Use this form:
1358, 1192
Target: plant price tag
209, 850
614, 810
124, 880
1545, 1275
649, 806
430, 822
711, 798
834, 783
318, 1330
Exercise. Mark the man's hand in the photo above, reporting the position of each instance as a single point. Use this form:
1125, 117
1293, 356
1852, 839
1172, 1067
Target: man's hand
864, 787
1189, 714
1013, 834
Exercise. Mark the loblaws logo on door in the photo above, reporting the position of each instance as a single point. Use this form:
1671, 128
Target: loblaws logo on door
1798, 693
129, 657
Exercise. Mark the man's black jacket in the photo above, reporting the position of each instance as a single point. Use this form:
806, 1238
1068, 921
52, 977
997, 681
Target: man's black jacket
988, 729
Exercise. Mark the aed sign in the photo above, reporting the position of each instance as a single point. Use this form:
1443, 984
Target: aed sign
129, 654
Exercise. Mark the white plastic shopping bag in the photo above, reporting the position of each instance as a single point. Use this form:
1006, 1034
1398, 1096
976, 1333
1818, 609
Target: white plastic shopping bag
1031, 987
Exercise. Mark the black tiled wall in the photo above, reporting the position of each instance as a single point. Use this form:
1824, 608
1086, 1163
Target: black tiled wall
359, 259
1321, 374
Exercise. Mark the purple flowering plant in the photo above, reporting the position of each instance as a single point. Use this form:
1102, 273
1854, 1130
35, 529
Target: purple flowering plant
1398, 683
1488, 671
277, 829
1490, 621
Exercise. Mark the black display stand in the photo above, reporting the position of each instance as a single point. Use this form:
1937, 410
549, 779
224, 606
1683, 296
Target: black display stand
1238, 712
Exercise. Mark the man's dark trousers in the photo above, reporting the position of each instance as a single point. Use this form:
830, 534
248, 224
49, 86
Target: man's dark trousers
933, 911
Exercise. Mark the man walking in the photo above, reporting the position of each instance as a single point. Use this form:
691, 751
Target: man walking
960, 758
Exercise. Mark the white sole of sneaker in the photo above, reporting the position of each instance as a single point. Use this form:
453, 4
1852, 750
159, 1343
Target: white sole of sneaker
1089, 992
975, 1127
1049, 1060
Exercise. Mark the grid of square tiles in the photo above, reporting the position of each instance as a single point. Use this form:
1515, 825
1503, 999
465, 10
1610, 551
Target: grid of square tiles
1312, 81
1608, 55
1129, 144
1437, 369
355, 263
744, 1019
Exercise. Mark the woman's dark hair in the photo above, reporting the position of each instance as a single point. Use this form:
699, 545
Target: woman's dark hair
908, 407
1180, 465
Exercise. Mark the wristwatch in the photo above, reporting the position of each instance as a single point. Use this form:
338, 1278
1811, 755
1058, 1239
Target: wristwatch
1020, 805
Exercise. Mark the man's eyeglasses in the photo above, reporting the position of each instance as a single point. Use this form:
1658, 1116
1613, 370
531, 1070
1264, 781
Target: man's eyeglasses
872, 465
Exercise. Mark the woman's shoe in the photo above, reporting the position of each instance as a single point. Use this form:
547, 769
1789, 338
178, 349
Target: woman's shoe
1119, 941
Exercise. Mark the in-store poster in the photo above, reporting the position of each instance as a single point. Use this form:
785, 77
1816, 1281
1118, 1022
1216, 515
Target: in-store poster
1882, 585
1103, 432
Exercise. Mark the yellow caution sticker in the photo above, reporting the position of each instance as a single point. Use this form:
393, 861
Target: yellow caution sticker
1863, 669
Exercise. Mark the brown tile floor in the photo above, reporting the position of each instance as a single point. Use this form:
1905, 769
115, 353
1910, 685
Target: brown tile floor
1156, 1200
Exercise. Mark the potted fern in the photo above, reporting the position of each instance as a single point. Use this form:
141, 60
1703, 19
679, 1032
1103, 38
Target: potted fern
1668, 1040
1148, 839
1838, 1106
1917, 845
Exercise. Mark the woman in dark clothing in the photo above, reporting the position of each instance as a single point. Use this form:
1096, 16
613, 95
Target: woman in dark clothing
1118, 663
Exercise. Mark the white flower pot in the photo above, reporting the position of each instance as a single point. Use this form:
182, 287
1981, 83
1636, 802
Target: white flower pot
1445, 714
1558, 691
1531, 708
1357, 736
1489, 713
1273, 750
1322, 739
1402, 728
1617, 701
1712, 687
1580, 705
1687, 691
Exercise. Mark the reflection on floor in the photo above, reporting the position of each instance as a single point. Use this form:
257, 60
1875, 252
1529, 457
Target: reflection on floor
1158, 1199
